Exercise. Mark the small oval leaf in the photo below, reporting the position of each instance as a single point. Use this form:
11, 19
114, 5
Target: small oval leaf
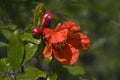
52, 76
38, 13
30, 50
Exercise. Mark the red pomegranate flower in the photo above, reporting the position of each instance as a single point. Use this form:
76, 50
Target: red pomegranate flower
64, 43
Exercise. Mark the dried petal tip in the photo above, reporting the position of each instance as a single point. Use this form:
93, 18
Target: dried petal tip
47, 18
36, 32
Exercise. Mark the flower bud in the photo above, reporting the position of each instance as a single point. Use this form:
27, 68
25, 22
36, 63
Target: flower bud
47, 18
36, 32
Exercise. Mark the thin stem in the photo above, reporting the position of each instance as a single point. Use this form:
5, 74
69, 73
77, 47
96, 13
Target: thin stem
50, 66
12, 76
22, 69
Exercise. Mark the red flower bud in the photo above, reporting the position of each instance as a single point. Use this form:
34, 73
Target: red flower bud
47, 18
36, 32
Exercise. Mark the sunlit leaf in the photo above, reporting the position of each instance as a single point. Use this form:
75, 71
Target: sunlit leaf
4, 65
27, 37
15, 51
30, 50
31, 74
52, 76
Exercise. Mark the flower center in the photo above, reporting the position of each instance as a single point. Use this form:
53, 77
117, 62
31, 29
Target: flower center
59, 45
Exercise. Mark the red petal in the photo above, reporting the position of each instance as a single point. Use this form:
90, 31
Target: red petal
48, 51
59, 36
71, 26
79, 41
75, 28
46, 31
58, 27
67, 55
85, 42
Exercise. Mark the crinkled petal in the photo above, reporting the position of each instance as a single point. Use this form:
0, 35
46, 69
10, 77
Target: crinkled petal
59, 36
48, 51
79, 41
67, 55
71, 26
69, 23
85, 41
75, 28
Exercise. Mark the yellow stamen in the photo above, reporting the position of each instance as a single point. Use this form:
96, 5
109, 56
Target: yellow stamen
59, 45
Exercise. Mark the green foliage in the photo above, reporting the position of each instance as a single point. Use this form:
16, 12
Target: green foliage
75, 70
4, 66
31, 74
5, 33
52, 76
4, 78
99, 19
37, 14
30, 50
15, 51
27, 36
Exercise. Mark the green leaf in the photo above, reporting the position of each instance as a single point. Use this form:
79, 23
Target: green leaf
15, 51
52, 76
87, 76
75, 70
28, 28
37, 14
30, 50
65, 72
31, 74
27, 35
12, 27
2, 44
4, 78
9, 27
6, 33
4, 65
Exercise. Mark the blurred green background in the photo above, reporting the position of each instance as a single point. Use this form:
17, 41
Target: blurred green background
99, 19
